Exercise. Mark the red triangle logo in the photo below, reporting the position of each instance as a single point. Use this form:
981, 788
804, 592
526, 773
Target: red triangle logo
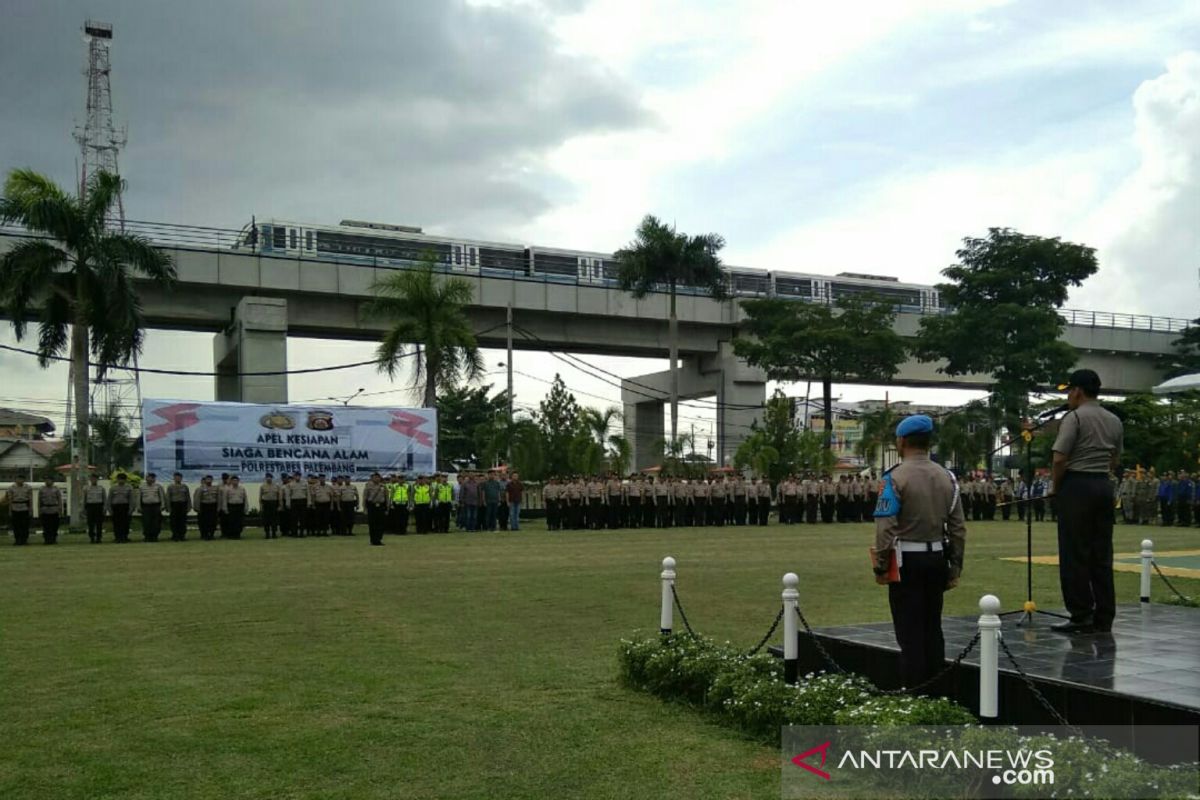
800, 760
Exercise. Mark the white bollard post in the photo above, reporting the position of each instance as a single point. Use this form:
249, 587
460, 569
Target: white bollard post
989, 655
666, 617
1147, 567
791, 642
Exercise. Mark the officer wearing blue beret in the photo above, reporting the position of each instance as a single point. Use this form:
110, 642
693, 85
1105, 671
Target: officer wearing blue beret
918, 521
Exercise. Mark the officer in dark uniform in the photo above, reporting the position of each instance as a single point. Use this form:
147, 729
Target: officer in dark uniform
1085, 453
919, 520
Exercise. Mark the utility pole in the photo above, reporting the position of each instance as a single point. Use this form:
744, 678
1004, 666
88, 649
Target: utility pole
509, 363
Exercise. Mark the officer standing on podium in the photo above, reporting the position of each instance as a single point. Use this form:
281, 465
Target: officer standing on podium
1085, 452
919, 518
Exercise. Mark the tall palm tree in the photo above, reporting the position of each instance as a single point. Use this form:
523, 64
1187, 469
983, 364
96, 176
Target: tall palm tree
878, 430
427, 312
620, 454
658, 257
598, 423
75, 277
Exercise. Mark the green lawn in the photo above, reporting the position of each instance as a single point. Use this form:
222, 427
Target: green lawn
443, 666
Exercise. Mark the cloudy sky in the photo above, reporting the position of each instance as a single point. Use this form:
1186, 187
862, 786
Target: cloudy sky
865, 136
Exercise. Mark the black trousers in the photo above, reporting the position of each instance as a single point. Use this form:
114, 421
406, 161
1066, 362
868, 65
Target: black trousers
1085, 547
151, 521
401, 519
235, 520
348, 512
648, 512
1006, 512
50, 528
178, 522
812, 506
664, 514
286, 526
20, 527
422, 513
300, 517
1039, 510
764, 510
916, 603
270, 518
577, 514
1166, 511
320, 519
95, 521
552, 515
376, 521
827, 509
121, 518
206, 520
1183, 513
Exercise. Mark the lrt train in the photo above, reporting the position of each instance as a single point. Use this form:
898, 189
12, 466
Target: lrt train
385, 245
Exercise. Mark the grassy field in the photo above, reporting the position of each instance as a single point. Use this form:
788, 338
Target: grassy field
445, 666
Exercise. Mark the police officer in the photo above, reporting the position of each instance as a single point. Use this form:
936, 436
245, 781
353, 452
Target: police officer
1085, 452
375, 501
50, 508
422, 501
150, 499
207, 501
269, 494
179, 502
120, 507
233, 505
401, 503
94, 501
20, 504
918, 521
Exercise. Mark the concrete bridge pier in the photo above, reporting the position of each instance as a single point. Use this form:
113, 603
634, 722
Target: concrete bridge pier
255, 341
740, 391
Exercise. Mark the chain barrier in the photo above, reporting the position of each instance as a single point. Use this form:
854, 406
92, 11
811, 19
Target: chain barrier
1170, 585
1037, 694
679, 607
946, 670
836, 667
762, 642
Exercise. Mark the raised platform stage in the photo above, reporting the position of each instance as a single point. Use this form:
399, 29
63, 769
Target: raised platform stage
1146, 672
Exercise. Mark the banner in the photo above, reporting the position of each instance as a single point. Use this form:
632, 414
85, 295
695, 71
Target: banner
249, 440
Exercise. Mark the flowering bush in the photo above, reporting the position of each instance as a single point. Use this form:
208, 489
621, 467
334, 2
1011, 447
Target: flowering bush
749, 692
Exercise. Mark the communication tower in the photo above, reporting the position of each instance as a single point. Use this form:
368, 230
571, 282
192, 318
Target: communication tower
99, 140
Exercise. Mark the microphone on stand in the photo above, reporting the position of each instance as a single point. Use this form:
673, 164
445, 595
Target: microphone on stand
1052, 411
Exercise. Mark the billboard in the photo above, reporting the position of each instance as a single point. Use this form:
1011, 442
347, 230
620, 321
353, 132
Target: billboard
251, 440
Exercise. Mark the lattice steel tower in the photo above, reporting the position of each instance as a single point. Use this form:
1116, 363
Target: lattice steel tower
99, 140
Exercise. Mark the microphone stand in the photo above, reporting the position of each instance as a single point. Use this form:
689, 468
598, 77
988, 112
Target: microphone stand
1029, 607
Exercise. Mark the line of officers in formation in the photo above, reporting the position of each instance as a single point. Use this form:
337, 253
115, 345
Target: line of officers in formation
1145, 498
299, 506
295, 506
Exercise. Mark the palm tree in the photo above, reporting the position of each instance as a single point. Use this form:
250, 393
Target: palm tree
672, 452
620, 454
428, 318
659, 256
110, 440
75, 277
878, 430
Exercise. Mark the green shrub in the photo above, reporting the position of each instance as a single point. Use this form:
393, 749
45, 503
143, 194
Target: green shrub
749, 693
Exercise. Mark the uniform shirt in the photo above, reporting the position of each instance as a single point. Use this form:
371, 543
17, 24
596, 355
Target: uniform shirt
49, 500
298, 490
348, 496
20, 498
206, 495
322, 493
928, 510
375, 494
764, 490
148, 495
179, 493
233, 496
120, 495
93, 495
1090, 437
269, 492
614, 489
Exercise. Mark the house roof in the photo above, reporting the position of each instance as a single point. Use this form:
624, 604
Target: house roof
10, 417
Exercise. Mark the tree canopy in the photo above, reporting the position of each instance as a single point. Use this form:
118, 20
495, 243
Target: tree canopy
777, 448
467, 417
850, 341
559, 419
1004, 295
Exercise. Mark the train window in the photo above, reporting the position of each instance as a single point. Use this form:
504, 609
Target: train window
745, 283
292, 238
793, 287
279, 237
266, 234
308, 240
550, 264
496, 258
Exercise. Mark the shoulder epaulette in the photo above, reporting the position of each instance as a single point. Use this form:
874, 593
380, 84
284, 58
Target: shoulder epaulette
888, 504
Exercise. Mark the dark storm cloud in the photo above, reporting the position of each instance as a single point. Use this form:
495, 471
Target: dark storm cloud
433, 113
